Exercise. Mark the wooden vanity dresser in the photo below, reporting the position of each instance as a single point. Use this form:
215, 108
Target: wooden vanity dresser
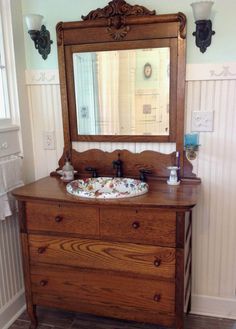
126, 258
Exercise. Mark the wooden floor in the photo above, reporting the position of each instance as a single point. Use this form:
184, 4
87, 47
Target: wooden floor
55, 319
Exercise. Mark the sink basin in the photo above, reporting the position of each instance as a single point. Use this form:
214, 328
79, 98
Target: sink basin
107, 188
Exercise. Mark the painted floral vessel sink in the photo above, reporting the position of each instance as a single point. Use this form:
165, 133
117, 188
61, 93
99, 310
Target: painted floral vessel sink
107, 187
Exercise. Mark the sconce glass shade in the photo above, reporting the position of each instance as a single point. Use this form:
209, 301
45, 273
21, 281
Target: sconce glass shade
39, 34
202, 10
33, 22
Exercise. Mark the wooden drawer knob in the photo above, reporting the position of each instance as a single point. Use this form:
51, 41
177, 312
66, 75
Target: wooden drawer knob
43, 283
157, 262
136, 225
58, 219
41, 250
157, 297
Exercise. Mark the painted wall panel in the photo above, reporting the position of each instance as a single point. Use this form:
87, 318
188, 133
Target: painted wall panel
223, 47
214, 221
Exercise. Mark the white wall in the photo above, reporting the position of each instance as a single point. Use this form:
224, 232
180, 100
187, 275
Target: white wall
214, 225
208, 88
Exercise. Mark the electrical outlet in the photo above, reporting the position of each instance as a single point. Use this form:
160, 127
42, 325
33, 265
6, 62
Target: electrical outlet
49, 140
202, 120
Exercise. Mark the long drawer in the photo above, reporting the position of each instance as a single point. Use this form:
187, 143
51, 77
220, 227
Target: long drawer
147, 226
123, 257
93, 290
60, 218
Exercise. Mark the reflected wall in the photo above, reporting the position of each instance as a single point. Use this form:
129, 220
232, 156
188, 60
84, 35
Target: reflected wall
124, 92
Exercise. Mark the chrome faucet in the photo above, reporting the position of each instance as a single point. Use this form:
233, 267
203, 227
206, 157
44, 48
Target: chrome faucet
117, 164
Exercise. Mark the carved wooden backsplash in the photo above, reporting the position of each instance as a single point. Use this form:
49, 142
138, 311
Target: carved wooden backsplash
132, 163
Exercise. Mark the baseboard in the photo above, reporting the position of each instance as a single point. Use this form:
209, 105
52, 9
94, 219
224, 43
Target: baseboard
214, 306
10, 312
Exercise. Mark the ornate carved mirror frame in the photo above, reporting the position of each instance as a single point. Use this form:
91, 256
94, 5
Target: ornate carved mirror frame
122, 26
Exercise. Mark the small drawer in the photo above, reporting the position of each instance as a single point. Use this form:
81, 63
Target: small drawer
62, 218
147, 226
158, 262
97, 289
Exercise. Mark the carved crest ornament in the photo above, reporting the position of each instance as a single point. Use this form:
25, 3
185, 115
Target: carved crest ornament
115, 12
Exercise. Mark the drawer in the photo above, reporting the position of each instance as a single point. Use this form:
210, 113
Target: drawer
91, 291
147, 226
121, 257
61, 218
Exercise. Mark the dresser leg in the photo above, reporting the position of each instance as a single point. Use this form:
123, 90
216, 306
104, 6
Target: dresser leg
33, 317
180, 323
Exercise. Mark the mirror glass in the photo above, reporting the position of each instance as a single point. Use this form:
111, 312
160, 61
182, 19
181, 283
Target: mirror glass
123, 92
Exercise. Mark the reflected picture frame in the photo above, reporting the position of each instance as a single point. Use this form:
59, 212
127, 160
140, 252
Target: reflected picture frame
147, 70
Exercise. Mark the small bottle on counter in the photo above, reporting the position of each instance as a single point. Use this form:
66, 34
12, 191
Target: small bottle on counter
67, 171
177, 164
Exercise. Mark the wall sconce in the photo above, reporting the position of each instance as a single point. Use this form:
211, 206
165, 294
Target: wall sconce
191, 145
201, 13
39, 34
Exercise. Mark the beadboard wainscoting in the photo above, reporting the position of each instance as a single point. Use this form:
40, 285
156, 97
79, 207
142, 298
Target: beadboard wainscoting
45, 112
12, 300
214, 227
208, 88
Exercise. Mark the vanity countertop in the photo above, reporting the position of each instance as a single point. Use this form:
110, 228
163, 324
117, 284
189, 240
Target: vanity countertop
160, 194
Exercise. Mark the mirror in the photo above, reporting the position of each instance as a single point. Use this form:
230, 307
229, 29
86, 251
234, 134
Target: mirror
122, 92
122, 75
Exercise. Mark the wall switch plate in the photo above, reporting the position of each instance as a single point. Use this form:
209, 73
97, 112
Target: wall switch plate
202, 120
49, 140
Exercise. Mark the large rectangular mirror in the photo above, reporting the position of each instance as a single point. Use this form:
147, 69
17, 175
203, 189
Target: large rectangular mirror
122, 92
122, 75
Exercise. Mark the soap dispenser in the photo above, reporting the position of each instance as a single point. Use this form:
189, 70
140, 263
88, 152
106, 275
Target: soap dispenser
67, 170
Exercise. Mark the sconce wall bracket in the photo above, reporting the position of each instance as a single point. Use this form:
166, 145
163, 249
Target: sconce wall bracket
203, 34
42, 41
191, 151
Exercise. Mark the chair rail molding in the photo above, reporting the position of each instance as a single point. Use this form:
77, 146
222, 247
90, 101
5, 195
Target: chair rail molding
211, 71
42, 77
208, 71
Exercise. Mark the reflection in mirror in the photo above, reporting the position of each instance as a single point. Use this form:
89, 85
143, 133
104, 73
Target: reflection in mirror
123, 92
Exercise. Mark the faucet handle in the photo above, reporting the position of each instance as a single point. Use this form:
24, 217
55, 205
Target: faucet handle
117, 164
143, 173
93, 171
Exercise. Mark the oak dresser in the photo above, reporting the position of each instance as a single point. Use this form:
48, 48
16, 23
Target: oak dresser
127, 258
